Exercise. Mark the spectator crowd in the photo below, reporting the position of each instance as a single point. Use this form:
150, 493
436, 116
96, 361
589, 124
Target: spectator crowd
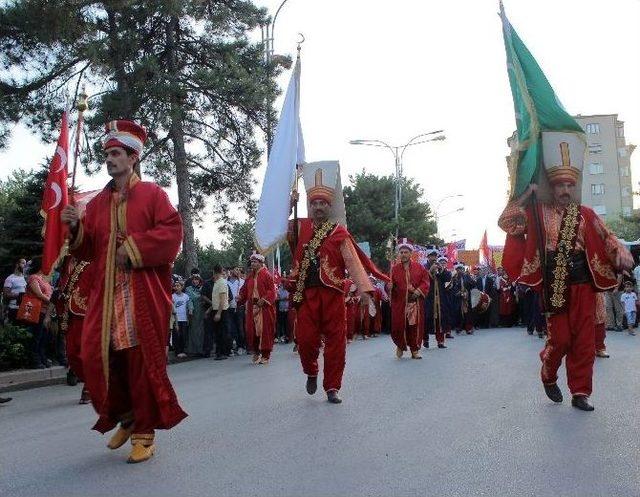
207, 320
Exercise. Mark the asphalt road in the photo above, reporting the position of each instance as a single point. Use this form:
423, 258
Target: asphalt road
471, 420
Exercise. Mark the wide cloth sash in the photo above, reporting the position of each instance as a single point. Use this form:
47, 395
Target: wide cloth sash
558, 283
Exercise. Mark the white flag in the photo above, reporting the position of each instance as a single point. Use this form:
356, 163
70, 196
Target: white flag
287, 151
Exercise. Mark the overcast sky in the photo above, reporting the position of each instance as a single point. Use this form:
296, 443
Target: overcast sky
386, 70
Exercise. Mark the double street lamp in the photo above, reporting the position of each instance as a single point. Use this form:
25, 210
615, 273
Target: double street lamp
398, 153
436, 210
270, 58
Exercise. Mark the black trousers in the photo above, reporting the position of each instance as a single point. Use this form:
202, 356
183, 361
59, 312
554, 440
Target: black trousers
282, 322
236, 327
179, 336
38, 342
221, 336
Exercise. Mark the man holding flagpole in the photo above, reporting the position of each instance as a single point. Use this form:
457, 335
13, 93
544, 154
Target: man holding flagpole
322, 251
131, 234
555, 245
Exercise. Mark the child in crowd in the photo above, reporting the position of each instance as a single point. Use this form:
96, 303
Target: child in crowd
628, 299
181, 313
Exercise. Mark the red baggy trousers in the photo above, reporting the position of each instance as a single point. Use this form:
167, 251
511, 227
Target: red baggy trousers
322, 314
73, 340
572, 334
601, 334
410, 338
130, 392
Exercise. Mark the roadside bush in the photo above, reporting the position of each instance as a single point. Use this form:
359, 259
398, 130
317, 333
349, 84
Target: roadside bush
14, 347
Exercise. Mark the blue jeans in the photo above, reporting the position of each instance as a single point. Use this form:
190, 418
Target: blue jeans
631, 319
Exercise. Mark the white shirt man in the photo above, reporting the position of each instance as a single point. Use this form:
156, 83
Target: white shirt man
235, 284
14, 285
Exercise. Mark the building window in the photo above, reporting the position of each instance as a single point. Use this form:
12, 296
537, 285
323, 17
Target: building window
593, 128
595, 148
624, 172
622, 151
626, 191
601, 210
597, 189
596, 168
626, 211
620, 131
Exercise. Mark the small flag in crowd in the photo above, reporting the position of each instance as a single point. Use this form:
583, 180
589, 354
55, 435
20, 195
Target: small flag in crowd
485, 254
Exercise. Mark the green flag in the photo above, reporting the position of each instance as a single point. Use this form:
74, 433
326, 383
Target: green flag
537, 109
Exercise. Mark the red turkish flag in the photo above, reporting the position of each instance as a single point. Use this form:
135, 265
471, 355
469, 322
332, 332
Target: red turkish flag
485, 253
55, 198
452, 255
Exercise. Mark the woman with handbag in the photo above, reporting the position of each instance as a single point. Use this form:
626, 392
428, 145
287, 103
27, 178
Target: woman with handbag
33, 310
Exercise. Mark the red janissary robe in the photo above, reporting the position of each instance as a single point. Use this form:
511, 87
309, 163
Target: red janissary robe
507, 298
351, 303
418, 277
377, 323
75, 284
338, 252
153, 232
259, 321
521, 258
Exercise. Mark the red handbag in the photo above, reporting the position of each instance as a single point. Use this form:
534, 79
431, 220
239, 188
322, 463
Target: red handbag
29, 310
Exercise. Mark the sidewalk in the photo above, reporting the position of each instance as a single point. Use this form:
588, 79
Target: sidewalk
23, 379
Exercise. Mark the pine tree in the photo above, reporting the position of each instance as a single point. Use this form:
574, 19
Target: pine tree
186, 70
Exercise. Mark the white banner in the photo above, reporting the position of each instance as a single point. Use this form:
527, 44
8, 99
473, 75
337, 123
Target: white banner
287, 151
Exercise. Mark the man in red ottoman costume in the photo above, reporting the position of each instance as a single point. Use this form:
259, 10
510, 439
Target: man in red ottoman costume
409, 287
322, 251
581, 257
131, 234
258, 294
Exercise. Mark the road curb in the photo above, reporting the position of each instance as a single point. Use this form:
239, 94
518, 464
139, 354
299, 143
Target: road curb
26, 379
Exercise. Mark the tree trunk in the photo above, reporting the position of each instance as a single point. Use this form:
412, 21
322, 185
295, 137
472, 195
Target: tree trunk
183, 179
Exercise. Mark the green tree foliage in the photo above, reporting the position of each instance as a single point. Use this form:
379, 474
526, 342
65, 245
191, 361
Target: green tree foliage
627, 228
369, 200
234, 250
186, 69
20, 220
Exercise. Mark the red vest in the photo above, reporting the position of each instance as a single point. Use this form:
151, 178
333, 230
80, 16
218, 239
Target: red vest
521, 258
332, 268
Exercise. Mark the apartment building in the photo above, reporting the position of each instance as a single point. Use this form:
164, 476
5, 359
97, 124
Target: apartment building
606, 182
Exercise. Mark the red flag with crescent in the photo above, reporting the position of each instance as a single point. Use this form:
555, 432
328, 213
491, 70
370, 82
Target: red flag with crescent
451, 254
53, 201
485, 253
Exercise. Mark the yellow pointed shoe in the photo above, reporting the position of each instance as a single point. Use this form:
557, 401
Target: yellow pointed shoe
141, 453
120, 437
416, 355
142, 448
399, 352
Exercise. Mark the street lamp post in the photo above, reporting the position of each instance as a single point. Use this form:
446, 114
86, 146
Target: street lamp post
436, 210
268, 31
398, 154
